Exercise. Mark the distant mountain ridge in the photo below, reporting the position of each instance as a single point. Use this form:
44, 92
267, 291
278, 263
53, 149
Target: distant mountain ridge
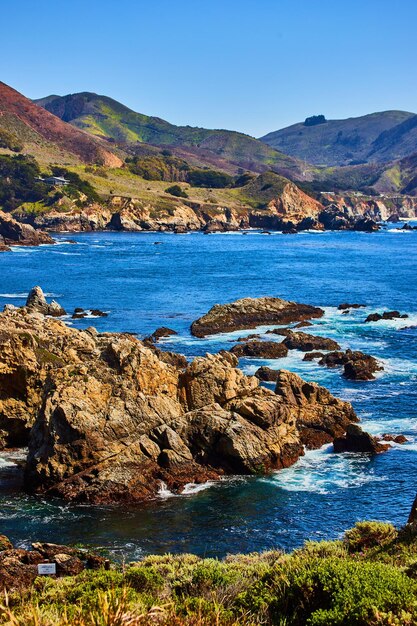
106, 118
374, 138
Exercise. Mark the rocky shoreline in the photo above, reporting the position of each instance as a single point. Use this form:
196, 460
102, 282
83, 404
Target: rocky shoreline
32, 230
108, 418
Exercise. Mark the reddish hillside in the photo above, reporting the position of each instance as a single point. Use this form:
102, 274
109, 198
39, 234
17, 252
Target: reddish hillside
16, 110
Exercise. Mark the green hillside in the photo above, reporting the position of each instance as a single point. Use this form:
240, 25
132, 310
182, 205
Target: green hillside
378, 137
104, 117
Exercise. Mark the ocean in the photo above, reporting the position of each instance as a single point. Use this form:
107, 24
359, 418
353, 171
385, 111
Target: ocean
143, 286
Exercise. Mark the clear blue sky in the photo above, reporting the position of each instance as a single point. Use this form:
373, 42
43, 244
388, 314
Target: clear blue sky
249, 65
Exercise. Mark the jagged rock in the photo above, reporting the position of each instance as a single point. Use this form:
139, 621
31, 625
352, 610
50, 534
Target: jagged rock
36, 301
319, 415
252, 312
267, 374
3, 246
303, 324
248, 337
98, 313
387, 315
5, 543
110, 419
395, 438
260, 350
357, 365
310, 356
357, 440
67, 565
367, 225
18, 569
13, 233
163, 331
412, 519
306, 343
346, 305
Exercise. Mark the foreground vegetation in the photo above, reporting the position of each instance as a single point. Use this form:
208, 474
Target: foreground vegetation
369, 578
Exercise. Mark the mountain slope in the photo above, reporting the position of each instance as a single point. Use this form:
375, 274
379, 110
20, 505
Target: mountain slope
40, 133
104, 117
378, 137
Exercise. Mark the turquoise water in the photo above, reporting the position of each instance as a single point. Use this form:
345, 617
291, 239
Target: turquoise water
144, 286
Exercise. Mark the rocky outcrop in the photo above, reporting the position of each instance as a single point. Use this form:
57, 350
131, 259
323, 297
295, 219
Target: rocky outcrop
357, 440
306, 343
252, 312
387, 315
19, 567
377, 208
356, 365
36, 301
267, 374
320, 416
260, 350
14, 233
110, 420
332, 218
162, 332
345, 305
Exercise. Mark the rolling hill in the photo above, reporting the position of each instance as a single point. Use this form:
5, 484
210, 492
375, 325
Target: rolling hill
106, 118
34, 130
375, 138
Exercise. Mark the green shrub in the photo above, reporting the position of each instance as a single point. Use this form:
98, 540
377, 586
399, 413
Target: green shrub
330, 592
176, 190
365, 535
144, 579
209, 178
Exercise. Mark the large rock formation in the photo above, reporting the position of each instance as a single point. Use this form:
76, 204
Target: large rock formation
110, 419
320, 417
14, 233
252, 312
36, 301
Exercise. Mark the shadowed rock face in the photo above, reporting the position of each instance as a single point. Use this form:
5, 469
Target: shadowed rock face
110, 419
14, 233
252, 312
320, 417
357, 440
306, 343
356, 365
260, 349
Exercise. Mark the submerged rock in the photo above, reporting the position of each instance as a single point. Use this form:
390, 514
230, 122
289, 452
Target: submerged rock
252, 312
357, 440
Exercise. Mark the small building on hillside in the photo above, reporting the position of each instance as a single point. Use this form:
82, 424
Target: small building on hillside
55, 181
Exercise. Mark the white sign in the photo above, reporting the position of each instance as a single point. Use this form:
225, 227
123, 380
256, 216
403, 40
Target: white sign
46, 568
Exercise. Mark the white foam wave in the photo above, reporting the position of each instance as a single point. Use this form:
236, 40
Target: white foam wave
14, 295
321, 471
193, 488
